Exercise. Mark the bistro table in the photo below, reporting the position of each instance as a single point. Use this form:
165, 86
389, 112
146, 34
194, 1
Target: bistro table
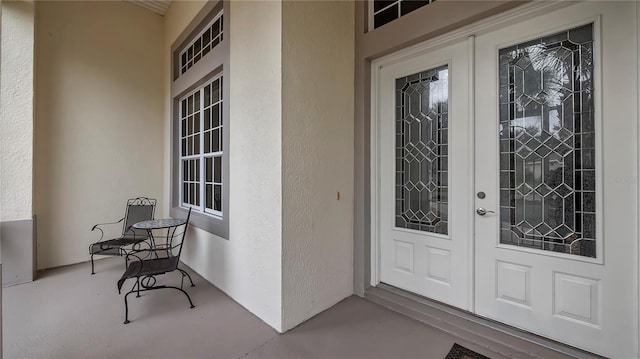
170, 224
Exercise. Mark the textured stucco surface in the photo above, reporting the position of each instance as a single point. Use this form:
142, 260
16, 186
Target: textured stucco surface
98, 128
247, 266
317, 159
16, 110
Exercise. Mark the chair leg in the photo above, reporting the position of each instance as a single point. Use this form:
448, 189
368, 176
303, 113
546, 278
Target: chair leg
184, 273
185, 293
126, 308
138, 285
92, 269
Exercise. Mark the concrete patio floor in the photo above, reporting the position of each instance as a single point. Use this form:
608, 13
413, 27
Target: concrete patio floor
68, 313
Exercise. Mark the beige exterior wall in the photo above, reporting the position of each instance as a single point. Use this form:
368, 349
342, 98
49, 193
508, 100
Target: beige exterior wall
247, 266
16, 111
317, 156
98, 127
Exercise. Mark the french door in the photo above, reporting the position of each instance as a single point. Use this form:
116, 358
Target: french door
506, 174
425, 170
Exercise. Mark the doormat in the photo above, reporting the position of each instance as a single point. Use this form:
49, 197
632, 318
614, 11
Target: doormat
460, 352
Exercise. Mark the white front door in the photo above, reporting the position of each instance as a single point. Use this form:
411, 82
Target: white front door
526, 211
425, 183
556, 155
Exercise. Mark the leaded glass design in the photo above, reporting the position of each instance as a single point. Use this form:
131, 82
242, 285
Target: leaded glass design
422, 151
547, 144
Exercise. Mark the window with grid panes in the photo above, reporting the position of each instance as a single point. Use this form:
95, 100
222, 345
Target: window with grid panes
204, 42
384, 11
201, 151
200, 143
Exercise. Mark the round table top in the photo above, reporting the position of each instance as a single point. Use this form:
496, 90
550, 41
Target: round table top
159, 223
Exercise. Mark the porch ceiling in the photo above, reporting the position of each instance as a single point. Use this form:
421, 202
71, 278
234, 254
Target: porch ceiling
158, 6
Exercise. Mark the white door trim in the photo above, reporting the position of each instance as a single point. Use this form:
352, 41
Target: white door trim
637, 263
471, 46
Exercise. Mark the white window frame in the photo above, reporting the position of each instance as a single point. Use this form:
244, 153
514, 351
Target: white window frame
201, 155
196, 38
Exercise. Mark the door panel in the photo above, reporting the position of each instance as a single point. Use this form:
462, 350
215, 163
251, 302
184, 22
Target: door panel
556, 154
424, 178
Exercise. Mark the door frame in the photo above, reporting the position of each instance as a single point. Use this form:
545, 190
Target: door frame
467, 32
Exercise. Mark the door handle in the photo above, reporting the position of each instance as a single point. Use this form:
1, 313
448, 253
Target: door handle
481, 211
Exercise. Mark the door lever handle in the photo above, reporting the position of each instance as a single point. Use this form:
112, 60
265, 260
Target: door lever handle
481, 211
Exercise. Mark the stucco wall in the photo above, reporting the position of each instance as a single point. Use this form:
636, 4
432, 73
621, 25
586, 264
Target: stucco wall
98, 127
317, 156
16, 111
247, 266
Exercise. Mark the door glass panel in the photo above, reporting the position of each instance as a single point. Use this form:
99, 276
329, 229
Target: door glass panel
422, 151
547, 147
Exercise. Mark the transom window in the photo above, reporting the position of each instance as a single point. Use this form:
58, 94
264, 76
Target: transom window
201, 150
385, 11
204, 42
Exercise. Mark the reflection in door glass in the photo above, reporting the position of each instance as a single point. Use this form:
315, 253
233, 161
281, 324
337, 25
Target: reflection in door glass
547, 144
422, 151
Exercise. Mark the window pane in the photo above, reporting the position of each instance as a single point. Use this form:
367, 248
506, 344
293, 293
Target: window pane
386, 16
208, 169
196, 164
421, 151
196, 145
546, 114
207, 119
207, 142
217, 197
217, 169
197, 46
215, 91
381, 4
185, 192
215, 29
197, 194
207, 95
407, 6
215, 116
215, 140
206, 37
208, 196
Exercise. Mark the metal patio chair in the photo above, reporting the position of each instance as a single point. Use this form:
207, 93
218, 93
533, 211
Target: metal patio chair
137, 210
146, 264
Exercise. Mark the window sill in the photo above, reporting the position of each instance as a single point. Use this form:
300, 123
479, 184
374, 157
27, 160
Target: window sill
214, 225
